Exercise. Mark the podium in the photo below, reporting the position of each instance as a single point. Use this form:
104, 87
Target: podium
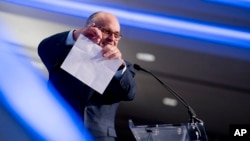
169, 132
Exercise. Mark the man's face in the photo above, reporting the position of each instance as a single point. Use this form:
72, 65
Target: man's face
110, 28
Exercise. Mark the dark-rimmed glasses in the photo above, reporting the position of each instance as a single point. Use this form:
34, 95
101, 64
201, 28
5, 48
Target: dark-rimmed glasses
108, 32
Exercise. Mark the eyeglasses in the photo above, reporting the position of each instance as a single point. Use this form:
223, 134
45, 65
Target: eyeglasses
107, 32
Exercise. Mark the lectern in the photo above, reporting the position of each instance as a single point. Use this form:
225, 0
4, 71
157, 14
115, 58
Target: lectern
169, 132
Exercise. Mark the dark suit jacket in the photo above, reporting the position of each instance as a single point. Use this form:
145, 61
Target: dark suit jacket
98, 111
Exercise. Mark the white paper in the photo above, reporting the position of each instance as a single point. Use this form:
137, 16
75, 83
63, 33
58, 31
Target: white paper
86, 63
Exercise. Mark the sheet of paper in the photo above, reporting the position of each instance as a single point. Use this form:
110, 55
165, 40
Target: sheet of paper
86, 63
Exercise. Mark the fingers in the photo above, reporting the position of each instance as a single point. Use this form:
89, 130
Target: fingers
93, 33
111, 53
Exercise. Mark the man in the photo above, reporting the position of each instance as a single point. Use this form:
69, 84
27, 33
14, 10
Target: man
98, 111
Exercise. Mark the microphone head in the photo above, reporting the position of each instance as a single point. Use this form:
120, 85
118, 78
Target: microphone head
137, 67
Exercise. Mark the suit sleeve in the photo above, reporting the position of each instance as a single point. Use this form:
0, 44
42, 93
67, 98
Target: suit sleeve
125, 87
128, 84
53, 50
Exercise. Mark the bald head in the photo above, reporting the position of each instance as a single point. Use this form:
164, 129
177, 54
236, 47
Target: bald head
101, 18
102, 28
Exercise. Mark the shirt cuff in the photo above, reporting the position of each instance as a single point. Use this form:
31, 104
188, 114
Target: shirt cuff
119, 73
70, 40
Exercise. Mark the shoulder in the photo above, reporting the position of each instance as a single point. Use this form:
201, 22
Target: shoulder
53, 49
59, 36
53, 40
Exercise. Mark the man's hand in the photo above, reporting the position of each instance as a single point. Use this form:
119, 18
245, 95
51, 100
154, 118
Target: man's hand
91, 32
111, 52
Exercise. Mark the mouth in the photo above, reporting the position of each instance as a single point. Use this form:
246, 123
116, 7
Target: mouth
107, 43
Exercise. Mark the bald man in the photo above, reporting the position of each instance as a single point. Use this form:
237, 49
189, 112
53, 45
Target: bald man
97, 111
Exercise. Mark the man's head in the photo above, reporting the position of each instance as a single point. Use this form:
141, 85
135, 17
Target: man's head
109, 25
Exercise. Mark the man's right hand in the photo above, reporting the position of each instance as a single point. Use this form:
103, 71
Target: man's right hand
91, 32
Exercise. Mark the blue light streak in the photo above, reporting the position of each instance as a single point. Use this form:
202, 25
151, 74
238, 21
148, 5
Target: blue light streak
25, 94
240, 3
149, 22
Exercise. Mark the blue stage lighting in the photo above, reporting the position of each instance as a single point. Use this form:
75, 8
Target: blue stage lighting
240, 3
25, 94
149, 22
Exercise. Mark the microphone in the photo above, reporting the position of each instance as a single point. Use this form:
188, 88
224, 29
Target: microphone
195, 127
192, 114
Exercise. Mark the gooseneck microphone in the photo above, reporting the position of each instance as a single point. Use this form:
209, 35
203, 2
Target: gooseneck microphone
195, 127
193, 116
